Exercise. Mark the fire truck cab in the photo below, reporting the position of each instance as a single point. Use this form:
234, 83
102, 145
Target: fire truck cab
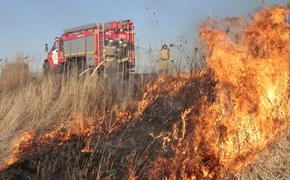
83, 46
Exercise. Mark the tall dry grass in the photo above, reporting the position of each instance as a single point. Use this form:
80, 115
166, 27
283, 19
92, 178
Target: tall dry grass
272, 163
34, 102
13, 76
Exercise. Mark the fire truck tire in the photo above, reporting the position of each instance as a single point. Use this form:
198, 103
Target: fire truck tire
81, 66
125, 70
69, 67
59, 69
46, 68
74, 66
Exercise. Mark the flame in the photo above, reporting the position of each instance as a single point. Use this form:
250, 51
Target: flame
250, 108
85, 129
252, 86
32, 142
14, 156
168, 86
252, 105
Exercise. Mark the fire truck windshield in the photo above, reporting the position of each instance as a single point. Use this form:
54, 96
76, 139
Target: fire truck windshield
55, 45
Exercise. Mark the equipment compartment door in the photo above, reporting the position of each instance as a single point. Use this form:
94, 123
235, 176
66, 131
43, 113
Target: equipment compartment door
90, 50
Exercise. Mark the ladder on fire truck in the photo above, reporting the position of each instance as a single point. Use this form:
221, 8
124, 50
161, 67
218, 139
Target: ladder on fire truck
100, 45
101, 41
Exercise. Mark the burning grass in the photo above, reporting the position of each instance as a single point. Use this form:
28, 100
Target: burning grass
208, 125
129, 145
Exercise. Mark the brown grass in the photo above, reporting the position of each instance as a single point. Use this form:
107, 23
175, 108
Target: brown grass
14, 75
272, 163
39, 103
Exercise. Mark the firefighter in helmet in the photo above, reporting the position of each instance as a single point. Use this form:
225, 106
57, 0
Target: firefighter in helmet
123, 57
164, 59
122, 51
111, 64
46, 47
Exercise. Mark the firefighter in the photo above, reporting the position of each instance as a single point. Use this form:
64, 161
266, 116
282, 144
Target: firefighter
111, 64
164, 59
122, 51
123, 57
46, 47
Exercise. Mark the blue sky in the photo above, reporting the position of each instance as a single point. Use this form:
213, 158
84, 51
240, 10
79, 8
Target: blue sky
25, 25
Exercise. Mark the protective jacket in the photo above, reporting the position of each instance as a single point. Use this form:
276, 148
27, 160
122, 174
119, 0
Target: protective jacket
164, 54
110, 53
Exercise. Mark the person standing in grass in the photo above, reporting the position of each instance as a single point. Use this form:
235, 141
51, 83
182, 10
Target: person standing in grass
164, 59
111, 64
46, 47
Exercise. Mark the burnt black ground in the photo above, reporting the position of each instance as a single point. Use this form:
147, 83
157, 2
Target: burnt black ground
129, 151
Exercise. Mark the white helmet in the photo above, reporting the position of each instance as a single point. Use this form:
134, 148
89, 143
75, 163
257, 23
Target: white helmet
164, 45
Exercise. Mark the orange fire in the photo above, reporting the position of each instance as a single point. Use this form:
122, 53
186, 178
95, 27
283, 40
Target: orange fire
86, 129
251, 107
32, 142
14, 155
250, 110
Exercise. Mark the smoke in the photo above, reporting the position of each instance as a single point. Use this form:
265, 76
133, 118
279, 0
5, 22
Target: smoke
177, 23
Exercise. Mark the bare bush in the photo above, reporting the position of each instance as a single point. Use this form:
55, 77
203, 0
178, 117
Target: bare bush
14, 75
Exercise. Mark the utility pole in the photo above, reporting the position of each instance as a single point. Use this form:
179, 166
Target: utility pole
262, 2
138, 55
150, 58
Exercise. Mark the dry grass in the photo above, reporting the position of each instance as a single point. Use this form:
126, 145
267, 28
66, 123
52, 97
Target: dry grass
39, 103
14, 75
272, 163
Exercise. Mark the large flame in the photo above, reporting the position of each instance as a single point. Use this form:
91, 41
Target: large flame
32, 142
215, 136
252, 106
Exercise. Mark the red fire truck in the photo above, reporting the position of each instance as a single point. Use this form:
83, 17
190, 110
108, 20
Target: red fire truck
84, 46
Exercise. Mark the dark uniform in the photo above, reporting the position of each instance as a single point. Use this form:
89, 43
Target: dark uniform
46, 47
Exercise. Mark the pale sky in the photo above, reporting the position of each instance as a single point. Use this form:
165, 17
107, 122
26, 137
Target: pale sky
26, 25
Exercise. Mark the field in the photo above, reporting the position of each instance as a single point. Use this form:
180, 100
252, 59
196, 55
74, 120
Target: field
229, 120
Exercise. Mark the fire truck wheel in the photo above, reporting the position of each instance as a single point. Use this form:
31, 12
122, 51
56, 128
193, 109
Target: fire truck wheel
81, 66
46, 68
69, 67
125, 71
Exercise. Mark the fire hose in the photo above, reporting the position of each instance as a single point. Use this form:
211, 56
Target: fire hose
99, 65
